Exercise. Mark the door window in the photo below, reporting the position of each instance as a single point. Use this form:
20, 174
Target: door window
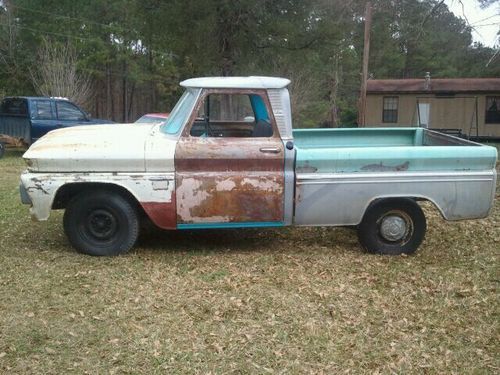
232, 115
69, 112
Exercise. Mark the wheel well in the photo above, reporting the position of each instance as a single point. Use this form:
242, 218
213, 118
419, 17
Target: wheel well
66, 192
389, 199
403, 198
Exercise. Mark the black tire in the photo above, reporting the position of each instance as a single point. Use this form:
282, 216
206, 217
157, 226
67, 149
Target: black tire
101, 223
392, 227
2, 150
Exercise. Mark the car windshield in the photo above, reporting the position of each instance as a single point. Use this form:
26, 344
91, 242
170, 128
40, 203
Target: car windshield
181, 112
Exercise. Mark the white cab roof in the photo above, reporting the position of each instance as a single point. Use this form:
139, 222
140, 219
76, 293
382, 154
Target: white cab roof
237, 82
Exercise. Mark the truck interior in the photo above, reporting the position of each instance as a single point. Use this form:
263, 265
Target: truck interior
232, 115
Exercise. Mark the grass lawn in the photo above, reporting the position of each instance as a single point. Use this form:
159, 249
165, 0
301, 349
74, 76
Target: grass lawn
246, 301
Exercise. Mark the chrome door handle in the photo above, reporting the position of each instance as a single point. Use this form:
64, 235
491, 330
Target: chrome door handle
270, 150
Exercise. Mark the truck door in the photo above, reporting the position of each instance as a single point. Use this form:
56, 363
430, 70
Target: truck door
43, 118
229, 163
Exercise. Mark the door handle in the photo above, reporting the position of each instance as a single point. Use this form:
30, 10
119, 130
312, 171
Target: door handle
270, 150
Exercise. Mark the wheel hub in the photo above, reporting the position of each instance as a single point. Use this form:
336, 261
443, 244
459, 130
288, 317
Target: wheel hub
393, 228
101, 224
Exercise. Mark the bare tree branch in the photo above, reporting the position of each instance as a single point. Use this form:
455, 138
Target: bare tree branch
56, 73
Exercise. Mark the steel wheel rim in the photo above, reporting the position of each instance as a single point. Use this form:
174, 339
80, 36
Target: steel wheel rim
395, 227
101, 224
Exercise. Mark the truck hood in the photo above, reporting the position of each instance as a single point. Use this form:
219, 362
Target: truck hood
96, 148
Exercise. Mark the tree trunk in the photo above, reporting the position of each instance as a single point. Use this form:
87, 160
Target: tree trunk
125, 93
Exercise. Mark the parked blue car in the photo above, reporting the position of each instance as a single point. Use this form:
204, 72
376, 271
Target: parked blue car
28, 118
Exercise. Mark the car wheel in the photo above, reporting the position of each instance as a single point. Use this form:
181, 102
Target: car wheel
392, 227
101, 223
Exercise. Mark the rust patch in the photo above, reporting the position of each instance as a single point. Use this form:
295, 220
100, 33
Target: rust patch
163, 214
225, 154
235, 198
386, 168
306, 168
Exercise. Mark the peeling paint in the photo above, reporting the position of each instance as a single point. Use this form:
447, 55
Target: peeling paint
229, 180
386, 168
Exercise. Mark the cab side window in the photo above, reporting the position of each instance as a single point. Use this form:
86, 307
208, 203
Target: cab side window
232, 115
42, 110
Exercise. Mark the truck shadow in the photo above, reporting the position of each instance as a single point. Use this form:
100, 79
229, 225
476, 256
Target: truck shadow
265, 240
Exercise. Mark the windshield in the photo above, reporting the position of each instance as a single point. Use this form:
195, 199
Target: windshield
181, 112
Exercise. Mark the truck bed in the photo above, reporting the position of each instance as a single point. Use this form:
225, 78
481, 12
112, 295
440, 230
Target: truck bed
16, 126
387, 150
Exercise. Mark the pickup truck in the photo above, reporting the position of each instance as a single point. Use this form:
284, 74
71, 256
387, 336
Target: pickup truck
227, 157
28, 118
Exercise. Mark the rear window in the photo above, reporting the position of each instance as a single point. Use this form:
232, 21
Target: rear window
14, 106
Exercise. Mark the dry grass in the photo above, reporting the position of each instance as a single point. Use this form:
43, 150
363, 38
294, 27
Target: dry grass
246, 301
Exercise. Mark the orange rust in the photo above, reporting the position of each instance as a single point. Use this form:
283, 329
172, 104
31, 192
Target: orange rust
243, 202
162, 214
227, 154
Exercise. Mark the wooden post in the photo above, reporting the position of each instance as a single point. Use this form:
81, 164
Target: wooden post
366, 56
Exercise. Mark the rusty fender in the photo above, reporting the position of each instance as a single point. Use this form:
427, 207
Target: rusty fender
155, 192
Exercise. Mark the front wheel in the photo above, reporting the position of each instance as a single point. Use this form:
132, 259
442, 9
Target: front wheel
392, 227
101, 223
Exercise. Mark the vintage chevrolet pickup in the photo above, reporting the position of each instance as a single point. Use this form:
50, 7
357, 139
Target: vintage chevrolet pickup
227, 157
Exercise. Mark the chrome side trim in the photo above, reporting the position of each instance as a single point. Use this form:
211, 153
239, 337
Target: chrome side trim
304, 178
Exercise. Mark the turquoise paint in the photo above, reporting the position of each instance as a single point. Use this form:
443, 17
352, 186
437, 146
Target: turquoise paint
386, 150
259, 108
246, 224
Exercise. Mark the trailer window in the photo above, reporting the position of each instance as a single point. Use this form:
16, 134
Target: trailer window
492, 110
390, 109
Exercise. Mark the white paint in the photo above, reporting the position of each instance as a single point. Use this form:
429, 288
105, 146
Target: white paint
262, 184
225, 185
282, 111
252, 82
189, 195
104, 148
42, 187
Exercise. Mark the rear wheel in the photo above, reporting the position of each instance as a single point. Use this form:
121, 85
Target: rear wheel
101, 223
392, 227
